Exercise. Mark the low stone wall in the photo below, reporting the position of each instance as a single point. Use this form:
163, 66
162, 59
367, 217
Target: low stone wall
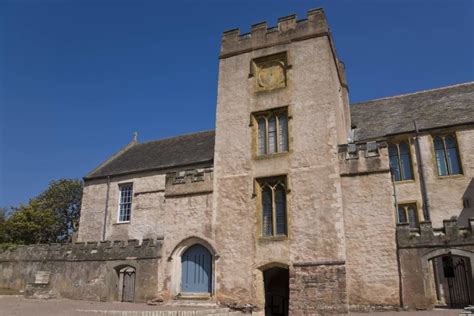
87, 271
318, 288
417, 246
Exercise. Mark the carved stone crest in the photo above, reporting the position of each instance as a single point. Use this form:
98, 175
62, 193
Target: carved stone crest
270, 72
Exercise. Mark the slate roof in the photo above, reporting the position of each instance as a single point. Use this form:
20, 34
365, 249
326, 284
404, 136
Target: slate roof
160, 154
446, 106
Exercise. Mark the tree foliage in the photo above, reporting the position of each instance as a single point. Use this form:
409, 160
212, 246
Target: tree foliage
52, 216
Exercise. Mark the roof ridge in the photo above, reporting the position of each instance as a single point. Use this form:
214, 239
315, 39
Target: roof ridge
177, 136
416, 92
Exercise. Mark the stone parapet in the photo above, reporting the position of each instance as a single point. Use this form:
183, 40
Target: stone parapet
289, 29
363, 159
427, 236
85, 251
188, 182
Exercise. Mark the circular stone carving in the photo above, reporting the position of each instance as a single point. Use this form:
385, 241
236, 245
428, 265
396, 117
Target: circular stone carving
271, 75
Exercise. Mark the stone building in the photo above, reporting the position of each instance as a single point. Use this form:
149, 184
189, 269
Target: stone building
292, 204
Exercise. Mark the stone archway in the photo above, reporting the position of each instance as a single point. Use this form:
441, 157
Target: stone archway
272, 285
176, 259
450, 277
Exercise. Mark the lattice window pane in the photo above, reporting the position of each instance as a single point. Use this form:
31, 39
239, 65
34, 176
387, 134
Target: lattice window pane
394, 162
283, 132
280, 206
262, 139
272, 139
267, 212
452, 153
402, 217
405, 162
440, 156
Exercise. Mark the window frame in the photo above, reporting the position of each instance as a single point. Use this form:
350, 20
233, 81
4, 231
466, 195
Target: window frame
418, 215
272, 183
267, 115
397, 143
458, 153
121, 186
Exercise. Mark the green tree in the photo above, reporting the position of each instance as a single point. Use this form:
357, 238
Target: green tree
63, 198
52, 216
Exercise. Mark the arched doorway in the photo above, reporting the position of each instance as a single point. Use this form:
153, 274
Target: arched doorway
126, 288
276, 283
453, 283
196, 270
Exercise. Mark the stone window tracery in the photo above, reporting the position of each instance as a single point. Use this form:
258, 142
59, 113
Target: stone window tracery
272, 134
408, 213
273, 204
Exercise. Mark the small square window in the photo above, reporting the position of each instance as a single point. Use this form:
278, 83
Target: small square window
408, 213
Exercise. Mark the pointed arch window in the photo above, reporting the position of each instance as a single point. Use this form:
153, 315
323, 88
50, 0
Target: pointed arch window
272, 131
400, 161
273, 207
447, 155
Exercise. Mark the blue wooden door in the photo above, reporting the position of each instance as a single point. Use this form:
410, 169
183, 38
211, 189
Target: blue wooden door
196, 265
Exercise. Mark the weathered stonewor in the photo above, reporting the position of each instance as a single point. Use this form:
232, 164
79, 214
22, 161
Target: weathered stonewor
363, 159
450, 235
84, 251
188, 182
87, 271
318, 287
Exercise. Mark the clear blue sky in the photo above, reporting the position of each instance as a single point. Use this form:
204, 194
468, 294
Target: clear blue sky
77, 77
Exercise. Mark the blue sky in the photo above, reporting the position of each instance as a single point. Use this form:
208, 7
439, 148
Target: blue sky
78, 77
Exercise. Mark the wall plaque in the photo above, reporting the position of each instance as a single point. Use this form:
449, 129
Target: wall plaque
42, 277
270, 72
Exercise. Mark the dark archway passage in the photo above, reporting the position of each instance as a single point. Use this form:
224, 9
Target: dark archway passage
276, 281
196, 268
453, 281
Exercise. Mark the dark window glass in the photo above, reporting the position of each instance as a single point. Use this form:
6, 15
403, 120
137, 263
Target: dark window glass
272, 138
280, 205
440, 156
267, 212
283, 132
452, 155
405, 161
394, 162
125, 207
262, 139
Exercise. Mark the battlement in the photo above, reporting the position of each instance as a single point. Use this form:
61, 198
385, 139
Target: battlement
192, 181
85, 251
288, 29
427, 236
364, 158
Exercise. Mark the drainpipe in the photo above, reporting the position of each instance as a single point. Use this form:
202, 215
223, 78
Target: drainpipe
106, 208
399, 265
424, 193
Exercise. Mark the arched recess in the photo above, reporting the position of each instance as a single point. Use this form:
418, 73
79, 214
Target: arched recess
435, 270
126, 282
176, 267
272, 277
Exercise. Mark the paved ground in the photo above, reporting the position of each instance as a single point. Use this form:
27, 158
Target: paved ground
19, 306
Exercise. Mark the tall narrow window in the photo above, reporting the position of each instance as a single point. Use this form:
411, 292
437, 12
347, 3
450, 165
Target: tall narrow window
125, 206
447, 155
274, 209
408, 213
400, 161
272, 133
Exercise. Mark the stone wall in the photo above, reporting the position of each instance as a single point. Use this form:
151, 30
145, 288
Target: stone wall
369, 219
86, 271
318, 288
418, 246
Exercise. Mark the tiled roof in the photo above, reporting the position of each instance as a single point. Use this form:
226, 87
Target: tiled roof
446, 106
160, 154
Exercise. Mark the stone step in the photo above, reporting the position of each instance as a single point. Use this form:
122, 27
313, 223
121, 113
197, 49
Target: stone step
200, 312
